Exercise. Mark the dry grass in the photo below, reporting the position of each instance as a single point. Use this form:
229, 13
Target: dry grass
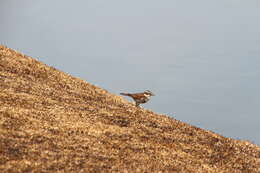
53, 122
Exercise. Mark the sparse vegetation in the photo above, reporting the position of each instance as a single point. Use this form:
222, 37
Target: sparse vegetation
53, 122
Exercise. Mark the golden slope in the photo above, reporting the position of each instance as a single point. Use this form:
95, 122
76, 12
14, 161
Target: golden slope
53, 122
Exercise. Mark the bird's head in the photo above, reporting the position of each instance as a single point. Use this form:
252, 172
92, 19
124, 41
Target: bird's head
147, 92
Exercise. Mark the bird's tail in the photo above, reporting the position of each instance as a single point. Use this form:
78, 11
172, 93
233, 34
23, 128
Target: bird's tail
125, 94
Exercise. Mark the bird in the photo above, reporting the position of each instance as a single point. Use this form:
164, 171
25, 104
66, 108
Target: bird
139, 98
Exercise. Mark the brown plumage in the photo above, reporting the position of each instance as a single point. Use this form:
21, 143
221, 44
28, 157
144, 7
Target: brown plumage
139, 98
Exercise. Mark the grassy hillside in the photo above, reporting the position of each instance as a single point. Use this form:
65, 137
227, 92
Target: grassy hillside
53, 122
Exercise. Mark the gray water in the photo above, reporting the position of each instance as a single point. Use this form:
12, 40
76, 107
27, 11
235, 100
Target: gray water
200, 58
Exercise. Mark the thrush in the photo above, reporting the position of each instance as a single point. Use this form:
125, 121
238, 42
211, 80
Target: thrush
139, 98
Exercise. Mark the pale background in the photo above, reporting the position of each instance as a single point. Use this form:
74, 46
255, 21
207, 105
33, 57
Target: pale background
200, 58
